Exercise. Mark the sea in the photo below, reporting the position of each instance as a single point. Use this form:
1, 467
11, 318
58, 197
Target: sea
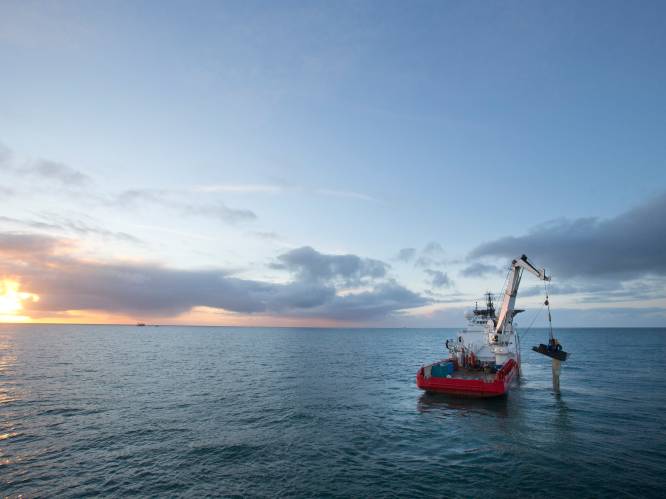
122, 411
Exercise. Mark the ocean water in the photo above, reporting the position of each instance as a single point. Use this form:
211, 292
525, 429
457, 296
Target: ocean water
171, 411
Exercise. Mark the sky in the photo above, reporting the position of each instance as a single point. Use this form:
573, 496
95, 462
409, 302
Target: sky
370, 164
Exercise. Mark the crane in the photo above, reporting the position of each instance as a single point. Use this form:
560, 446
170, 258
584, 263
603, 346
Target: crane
504, 322
506, 310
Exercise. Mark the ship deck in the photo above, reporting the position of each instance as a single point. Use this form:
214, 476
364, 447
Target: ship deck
464, 373
469, 382
461, 372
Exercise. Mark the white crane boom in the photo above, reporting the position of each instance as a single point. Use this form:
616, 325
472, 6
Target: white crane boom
509, 301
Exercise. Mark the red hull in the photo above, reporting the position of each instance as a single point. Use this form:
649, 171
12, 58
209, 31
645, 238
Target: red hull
499, 385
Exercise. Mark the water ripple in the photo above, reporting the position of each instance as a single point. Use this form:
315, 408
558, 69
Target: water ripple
174, 411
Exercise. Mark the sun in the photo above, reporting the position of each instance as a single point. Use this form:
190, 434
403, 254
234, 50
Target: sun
11, 301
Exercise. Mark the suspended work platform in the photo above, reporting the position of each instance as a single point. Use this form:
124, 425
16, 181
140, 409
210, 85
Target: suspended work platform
551, 352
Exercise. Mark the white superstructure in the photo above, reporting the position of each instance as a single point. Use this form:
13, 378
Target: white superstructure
489, 338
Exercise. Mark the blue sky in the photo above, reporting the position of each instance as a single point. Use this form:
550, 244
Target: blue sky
225, 137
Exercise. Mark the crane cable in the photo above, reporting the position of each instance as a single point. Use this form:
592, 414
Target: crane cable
550, 320
533, 321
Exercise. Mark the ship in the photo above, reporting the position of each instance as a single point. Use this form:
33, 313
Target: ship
484, 357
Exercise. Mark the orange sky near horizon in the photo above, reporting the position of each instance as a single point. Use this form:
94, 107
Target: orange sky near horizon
15, 308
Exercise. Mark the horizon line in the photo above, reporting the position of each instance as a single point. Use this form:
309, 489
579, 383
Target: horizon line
295, 327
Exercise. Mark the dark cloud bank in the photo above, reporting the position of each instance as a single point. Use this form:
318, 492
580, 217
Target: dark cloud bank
66, 283
630, 245
622, 258
478, 269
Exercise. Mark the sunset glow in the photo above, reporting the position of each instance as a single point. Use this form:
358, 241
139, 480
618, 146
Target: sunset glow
11, 301
295, 172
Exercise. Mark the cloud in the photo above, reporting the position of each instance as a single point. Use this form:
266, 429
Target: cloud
479, 269
438, 279
310, 265
451, 297
14, 244
67, 225
385, 300
433, 248
314, 290
406, 255
432, 255
42, 169
219, 211
53, 170
556, 289
606, 290
33, 224
627, 246
181, 202
84, 229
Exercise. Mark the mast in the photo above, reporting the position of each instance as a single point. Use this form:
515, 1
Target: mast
489, 304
